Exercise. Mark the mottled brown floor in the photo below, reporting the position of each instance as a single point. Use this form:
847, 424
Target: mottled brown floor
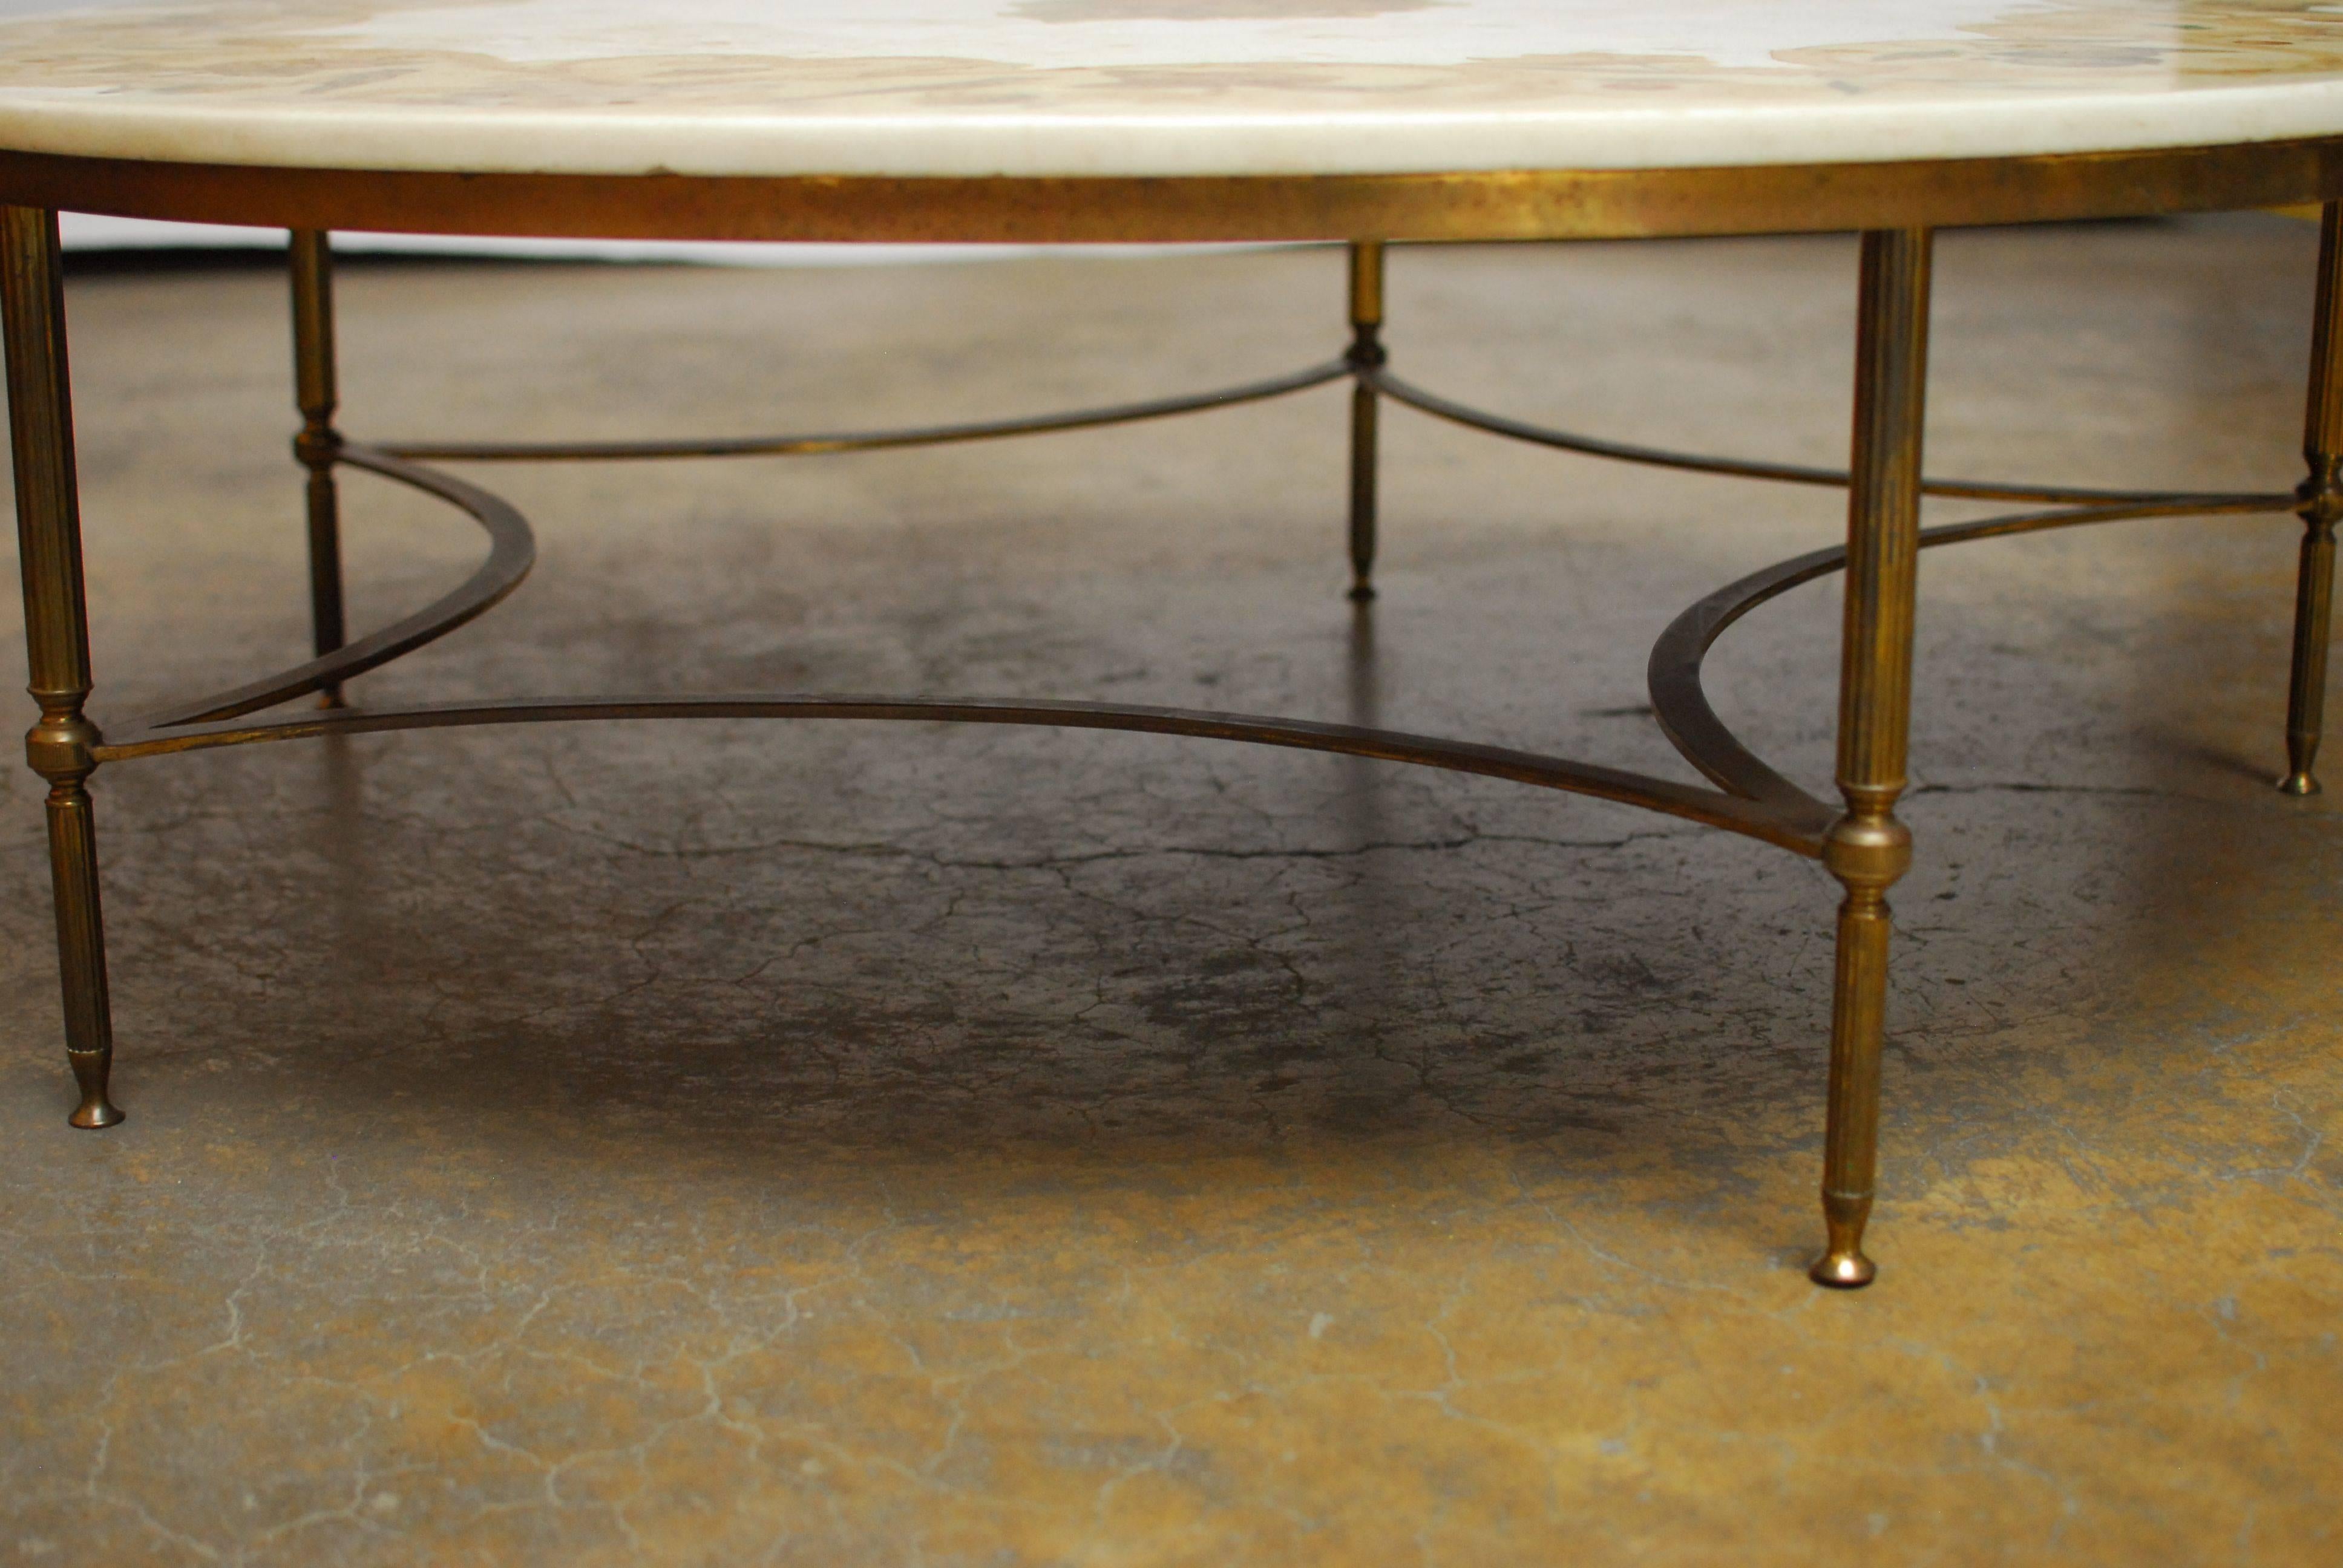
715, 1143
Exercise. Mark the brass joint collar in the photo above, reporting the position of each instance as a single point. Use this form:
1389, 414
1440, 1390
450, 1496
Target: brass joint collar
317, 446
58, 747
2320, 498
1366, 351
1867, 849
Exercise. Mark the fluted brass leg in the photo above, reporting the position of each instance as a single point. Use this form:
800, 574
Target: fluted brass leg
57, 633
2322, 503
315, 447
2305, 702
1366, 353
1867, 848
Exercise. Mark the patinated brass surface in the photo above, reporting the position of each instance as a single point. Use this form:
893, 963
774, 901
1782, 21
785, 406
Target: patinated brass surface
2322, 502
57, 633
1863, 845
1365, 360
1867, 848
315, 447
1753, 797
640, 1110
1527, 204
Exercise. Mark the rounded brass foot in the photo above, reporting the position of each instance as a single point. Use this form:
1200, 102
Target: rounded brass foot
95, 1111
2299, 784
1361, 593
89, 1071
1843, 1270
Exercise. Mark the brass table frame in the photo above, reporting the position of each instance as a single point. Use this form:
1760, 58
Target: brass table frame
1896, 206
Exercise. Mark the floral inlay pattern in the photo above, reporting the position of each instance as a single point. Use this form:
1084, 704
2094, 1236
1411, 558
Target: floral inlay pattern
1164, 66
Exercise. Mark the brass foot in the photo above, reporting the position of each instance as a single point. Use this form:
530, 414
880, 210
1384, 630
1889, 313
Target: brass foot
1843, 1266
96, 1109
1848, 1270
2299, 784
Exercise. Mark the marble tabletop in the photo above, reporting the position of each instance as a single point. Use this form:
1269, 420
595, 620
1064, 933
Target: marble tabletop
961, 87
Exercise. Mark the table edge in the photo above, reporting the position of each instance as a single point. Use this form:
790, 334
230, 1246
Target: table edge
1481, 205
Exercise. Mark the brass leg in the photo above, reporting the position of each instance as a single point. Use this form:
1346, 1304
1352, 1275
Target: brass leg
2322, 503
1366, 352
315, 447
1867, 848
56, 632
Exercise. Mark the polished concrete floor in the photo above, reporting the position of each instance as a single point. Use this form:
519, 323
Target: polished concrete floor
715, 1143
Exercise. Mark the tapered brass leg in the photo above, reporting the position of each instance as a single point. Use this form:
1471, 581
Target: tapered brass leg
315, 447
57, 633
2322, 503
1867, 848
1366, 353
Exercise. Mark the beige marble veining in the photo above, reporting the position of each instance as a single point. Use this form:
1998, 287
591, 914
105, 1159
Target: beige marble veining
1156, 87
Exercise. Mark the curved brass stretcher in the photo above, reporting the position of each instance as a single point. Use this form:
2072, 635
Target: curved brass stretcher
1751, 798
1859, 839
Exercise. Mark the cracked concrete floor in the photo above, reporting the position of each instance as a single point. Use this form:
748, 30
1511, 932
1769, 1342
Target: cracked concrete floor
721, 1143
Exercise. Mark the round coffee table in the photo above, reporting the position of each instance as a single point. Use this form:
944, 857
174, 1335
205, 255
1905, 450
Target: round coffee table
1367, 122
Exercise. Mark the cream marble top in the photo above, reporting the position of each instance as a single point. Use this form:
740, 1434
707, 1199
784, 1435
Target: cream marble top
1152, 86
